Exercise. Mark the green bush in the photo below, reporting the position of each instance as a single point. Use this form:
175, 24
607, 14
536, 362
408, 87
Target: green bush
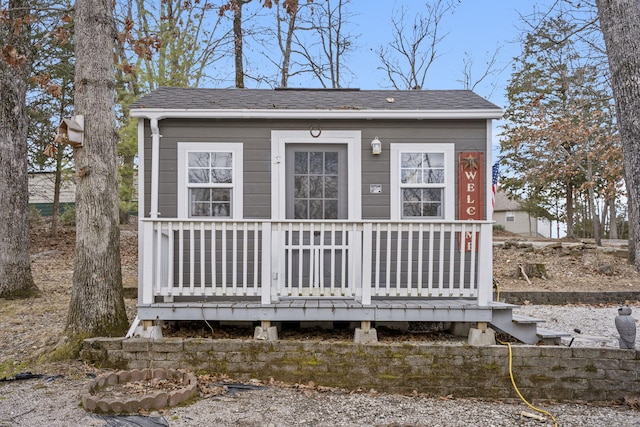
34, 215
68, 215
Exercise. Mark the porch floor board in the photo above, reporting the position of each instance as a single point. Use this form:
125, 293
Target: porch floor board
311, 309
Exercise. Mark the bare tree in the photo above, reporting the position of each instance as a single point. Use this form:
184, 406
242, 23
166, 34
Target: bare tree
414, 47
16, 279
97, 304
169, 43
326, 51
286, 33
469, 80
235, 6
619, 23
285, 38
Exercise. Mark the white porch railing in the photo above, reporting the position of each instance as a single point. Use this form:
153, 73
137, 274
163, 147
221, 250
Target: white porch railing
293, 258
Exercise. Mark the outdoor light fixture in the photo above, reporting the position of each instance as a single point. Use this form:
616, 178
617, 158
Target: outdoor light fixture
376, 146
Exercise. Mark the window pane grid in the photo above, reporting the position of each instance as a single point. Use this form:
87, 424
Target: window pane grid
422, 183
210, 183
212, 167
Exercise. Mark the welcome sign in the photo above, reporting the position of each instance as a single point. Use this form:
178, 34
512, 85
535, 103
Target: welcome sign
471, 200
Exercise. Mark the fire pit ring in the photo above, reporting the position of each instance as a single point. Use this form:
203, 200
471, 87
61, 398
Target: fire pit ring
130, 391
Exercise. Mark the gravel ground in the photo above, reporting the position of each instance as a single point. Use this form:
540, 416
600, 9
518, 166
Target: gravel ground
42, 402
589, 326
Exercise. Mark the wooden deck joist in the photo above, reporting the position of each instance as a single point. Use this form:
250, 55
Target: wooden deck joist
311, 309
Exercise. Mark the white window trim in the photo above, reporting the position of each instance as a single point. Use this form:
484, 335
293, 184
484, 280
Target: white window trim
208, 147
510, 216
449, 180
279, 139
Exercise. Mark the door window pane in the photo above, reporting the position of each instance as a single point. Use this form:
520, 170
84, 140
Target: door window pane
301, 187
316, 187
301, 163
331, 209
300, 209
331, 163
316, 162
331, 187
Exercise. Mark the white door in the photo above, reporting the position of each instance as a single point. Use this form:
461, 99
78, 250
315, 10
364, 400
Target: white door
316, 183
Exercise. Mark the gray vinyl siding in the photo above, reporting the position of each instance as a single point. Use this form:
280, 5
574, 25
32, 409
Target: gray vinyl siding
468, 135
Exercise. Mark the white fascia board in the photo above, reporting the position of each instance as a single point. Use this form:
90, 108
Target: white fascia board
165, 113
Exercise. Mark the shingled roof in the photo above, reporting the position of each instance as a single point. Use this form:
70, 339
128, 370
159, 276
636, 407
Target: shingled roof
168, 98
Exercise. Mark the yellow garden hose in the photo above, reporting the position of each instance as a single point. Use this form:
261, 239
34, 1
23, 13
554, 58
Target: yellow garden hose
515, 387
496, 286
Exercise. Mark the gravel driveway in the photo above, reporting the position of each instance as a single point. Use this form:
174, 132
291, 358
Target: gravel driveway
41, 402
56, 403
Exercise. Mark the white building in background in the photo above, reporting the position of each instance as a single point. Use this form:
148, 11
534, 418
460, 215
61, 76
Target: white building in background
513, 218
41, 190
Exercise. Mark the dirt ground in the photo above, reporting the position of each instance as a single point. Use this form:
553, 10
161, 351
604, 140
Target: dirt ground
31, 328
570, 265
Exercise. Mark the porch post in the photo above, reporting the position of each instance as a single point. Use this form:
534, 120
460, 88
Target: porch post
485, 267
266, 263
141, 210
366, 248
146, 281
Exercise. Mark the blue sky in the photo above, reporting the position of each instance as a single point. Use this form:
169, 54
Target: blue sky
479, 27
475, 26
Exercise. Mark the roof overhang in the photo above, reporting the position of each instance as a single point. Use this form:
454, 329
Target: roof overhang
166, 113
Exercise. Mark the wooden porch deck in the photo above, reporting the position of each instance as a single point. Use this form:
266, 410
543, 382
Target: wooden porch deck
326, 309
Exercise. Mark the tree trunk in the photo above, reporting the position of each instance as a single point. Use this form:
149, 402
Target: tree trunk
58, 173
595, 220
631, 226
56, 191
619, 23
286, 52
569, 201
237, 42
613, 219
97, 304
16, 279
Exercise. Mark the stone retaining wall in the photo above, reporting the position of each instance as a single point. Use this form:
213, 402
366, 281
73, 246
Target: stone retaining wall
541, 372
560, 298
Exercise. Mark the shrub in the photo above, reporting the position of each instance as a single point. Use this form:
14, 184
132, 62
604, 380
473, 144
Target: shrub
34, 215
68, 215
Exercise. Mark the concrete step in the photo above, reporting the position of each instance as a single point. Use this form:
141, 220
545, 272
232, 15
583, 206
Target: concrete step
524, 328
525, 319
551, 337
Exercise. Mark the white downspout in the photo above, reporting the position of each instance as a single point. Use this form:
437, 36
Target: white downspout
155, 165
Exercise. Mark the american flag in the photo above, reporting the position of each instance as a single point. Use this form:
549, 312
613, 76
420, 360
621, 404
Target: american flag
495, 172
